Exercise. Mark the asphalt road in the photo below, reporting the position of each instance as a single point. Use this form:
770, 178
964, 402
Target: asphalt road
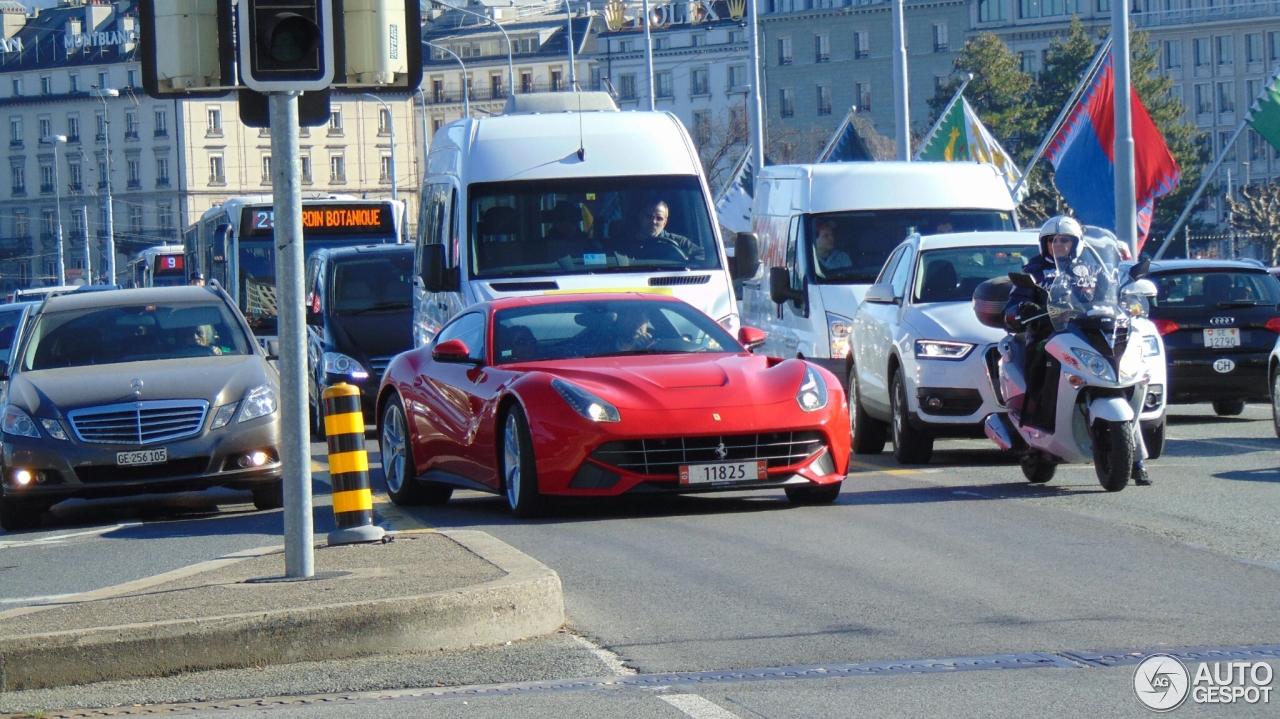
959, 558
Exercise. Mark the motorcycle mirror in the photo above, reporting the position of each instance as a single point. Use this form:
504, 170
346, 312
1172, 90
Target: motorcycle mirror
1023, 280
1140, 270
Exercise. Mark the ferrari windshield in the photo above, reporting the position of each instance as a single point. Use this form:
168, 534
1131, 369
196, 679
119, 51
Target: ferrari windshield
605, 328
132, 333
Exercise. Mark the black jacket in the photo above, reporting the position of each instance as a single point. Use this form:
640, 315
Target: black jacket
1044, 271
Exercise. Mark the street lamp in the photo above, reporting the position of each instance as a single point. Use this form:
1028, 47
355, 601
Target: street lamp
391, 130
103, 94
511, 73
426, 141
466, 106
57, 188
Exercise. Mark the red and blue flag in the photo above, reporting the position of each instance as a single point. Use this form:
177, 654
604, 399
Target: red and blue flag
1083, 157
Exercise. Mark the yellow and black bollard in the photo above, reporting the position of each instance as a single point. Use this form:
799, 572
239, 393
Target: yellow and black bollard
348, 467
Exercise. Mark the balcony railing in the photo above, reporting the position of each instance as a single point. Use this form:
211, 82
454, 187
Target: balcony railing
1194, 12
162, 133
11, 247
452, 94
20, 191
73, 139
46, 189
134, 183
131, 135
75, 187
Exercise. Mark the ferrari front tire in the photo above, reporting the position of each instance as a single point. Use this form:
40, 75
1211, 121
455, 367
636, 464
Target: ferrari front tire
519, 471
398, 468
820, 494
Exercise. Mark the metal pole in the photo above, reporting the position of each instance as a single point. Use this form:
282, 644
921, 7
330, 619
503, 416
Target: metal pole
573, 74
755, 105
648, 58
1231, 217
1204, 182
295, 450
943, 115
1125, 191
103, 94
511, 73
57, 185
1062, 114
901, 99
466, 105
88, 256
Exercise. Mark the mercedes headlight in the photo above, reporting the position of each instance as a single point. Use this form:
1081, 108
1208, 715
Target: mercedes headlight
338, 363
18, 423
584, 403
813, 391
941, 349
1095, 363
1150, 346
259, 402
840, 329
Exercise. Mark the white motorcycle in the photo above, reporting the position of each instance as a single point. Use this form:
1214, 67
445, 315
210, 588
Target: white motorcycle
1100, 376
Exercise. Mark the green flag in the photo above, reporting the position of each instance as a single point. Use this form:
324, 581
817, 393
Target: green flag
1264, 116
961, 136
948, 142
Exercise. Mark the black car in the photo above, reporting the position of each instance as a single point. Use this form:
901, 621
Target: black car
126, 392
359, 316
1219, 320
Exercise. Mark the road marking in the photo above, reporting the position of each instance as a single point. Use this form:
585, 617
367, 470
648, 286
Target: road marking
697, 706
33, 600
876, 469
610, 659
55, 539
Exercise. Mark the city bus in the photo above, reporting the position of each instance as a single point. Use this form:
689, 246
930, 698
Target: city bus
232, 243
159, 266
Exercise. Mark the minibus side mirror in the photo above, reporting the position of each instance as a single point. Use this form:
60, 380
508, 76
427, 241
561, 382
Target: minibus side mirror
436, 276
780, 289
746, 256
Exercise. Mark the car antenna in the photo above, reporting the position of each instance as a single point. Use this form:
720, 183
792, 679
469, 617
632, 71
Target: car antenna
582, 151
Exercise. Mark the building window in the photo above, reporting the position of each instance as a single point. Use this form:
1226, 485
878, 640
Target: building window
102, 174
131, 125
162, 172
1273, 53
131, 78
73, 128
17, 87
335, 121
1253, 48
736, 37
862, 92
662, 81
135, 218
990, 10
436, 124
162, 124
134, 166
75, 83
495, 90
940, 43
384, 169
738, 124
1029, 61
217, 170
824, 99
50, 228
384, 117
659, 43
47, 180
46, 129
266, 169
215, 122
77, 220
1226, 49
822, 48
305, 162
20, 223
164, 215
557, 80
74, 177
15, 131
526, 82
101, 134
1204, 99
1226, 97
337, 168
784, 50
702, 126
1200, 48
19, 180
102, 80
627, 86
862, 45
787, 102
1172, 54
737, 77
698, 84
624, 46
46, 85
1225, 145
695, 40
1104, 5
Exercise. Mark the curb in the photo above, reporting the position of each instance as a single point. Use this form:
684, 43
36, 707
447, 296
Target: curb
528, 601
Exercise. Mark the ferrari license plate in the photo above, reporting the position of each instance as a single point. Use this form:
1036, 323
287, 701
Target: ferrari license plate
723, 472
142, 456
1221, 338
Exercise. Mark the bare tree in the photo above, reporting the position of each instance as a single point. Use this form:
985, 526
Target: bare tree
1257, 213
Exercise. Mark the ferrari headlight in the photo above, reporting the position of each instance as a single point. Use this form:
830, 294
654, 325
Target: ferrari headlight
1150, 346
18, 423
223, 416
941, 349
1095, 363
338, 363
584, 403
813, 391
54, 428
259, 402
840, 329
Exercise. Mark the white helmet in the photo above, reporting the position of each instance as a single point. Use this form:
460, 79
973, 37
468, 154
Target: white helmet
1061, 225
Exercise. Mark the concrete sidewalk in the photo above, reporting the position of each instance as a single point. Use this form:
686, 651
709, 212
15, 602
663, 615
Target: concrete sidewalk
424, 591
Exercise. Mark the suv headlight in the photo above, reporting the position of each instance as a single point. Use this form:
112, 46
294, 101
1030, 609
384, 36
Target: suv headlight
338, 363
812, 395
1095, 363
584, 403
223, 416
941, 349
840, 330
259, 402
18, 423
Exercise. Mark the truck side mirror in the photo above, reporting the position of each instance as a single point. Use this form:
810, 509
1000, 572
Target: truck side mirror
746, 256
436, 276
779, 285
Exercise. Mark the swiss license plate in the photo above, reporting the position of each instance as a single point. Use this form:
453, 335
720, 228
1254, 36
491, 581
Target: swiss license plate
723, 472
1221, 338
143, 456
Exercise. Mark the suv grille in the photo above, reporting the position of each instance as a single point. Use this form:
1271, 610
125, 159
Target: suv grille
664, 456
139, 423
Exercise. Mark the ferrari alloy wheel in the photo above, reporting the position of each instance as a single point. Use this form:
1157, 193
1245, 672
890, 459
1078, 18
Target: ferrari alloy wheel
820, 494
398, 467
519, 472
910, 445
866, 434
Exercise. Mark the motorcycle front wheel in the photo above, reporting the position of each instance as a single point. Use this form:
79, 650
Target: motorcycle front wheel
1113, 450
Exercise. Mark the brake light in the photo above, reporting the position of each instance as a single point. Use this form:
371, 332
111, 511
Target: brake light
1273, 324
1165, 327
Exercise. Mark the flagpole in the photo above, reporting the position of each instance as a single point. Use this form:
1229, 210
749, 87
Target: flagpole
835, 138
756, 98
901, 99
733, 176
648, 57
1204, 182
1126, 192
1066, 109
928, 136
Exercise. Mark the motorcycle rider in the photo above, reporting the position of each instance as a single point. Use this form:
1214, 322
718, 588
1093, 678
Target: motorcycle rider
1061, 242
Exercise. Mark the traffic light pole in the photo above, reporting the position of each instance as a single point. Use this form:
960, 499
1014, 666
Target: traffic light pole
295, 450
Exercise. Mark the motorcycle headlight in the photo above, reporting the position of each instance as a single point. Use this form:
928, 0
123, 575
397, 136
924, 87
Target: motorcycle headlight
939, 349
54, 428
812, 395
338, 363
1095, 363
840, 329
223, 416
1150, 346
585, 403
259, 402
18, 423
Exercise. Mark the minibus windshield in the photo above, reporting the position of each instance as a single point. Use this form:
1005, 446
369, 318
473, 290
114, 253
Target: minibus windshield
589, 225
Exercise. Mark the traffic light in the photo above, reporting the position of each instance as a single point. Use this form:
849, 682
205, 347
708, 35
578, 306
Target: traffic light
197, 58
286, 44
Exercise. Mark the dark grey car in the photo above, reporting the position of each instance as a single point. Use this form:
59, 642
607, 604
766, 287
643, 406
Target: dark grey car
136, 391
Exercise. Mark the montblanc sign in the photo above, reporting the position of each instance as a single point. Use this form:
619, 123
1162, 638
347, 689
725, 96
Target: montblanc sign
100, 39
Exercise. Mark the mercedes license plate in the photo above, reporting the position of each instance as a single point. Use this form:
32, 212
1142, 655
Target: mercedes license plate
1222, 338
723, 472
143, 456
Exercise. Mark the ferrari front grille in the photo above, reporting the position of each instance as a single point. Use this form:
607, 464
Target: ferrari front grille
664, 456
139, 423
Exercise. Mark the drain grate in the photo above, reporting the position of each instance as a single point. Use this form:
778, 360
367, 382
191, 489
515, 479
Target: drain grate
1191, 654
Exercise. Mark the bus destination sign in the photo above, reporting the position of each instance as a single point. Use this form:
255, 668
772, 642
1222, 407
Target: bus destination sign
327, 219
169, 264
